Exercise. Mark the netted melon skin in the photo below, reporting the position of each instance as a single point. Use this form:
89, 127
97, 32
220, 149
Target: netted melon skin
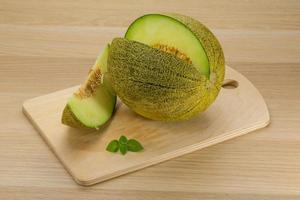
68, 118
160, 86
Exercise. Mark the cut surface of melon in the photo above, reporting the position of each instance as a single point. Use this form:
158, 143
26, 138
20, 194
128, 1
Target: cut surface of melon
93, 104
170, 35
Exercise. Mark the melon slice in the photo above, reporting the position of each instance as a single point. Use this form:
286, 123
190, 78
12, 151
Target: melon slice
93, 104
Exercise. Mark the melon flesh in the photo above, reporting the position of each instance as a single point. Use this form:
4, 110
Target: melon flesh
93, 104
156, 29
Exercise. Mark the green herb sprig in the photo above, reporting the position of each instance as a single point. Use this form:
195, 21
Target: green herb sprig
124, 145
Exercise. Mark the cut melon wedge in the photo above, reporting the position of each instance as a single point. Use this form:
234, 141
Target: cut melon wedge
93, 104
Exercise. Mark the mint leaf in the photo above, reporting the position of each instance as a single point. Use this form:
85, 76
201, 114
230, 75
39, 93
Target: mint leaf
124, 145
123, 149
123, 140
134, 146
113, 146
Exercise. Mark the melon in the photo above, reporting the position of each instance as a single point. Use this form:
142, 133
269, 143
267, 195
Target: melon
169, 67
92, 105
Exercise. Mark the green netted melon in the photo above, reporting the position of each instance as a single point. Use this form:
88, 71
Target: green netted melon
168, 67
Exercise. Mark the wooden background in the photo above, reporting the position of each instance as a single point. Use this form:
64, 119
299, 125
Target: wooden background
49, 45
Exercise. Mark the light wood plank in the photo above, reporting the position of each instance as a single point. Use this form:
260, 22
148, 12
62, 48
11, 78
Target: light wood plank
233, 14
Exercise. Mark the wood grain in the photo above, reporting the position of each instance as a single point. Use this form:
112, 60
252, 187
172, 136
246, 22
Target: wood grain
260, 40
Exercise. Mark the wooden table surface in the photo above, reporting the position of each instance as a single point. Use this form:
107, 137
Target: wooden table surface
49, 45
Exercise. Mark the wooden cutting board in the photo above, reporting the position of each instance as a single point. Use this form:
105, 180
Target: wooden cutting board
238, 110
